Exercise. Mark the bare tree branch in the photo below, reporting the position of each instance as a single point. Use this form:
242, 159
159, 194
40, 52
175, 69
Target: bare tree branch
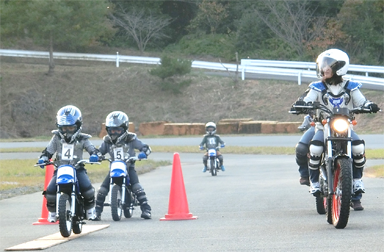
141, 26
292, 21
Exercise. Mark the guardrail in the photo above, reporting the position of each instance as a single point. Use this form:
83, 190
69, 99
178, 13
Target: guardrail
266, 67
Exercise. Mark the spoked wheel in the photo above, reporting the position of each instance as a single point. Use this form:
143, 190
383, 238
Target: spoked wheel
65, 215
116, 206
213, 168
128, 210
320, 205
342, 187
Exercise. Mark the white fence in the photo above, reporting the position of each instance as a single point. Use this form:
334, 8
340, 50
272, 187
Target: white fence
251, 66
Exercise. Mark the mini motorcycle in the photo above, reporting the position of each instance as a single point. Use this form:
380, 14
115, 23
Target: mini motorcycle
70, 203
213, 163
336, 172
121, 197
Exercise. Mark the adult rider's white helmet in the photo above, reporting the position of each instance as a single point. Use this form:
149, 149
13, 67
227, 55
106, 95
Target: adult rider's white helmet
336, 59
210, 128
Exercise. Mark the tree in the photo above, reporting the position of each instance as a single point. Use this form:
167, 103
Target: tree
210, 16
56, 23
362, 21
142, 26
292, 21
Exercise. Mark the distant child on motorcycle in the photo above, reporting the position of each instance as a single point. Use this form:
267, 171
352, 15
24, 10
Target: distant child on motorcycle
211, 140
334, 91
68, 143
117, 124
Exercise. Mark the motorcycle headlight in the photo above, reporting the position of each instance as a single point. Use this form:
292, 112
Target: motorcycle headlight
340, 125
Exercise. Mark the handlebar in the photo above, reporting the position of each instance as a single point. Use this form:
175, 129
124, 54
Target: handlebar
318, 105
83, 161
129, 160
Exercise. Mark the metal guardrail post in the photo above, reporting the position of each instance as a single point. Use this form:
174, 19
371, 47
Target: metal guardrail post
117, 59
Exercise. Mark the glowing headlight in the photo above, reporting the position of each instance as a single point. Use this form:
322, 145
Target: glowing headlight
340, 125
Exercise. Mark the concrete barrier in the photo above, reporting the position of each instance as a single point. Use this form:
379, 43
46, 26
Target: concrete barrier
226, 126
103, 131
249, 127
179, 129
152, 128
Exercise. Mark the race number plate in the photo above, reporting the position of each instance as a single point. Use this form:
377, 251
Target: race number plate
67, 152
118, 153
65, 170
211, 152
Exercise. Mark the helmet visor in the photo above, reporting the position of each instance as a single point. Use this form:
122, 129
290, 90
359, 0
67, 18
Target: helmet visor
210, 129
115, 130
68, 129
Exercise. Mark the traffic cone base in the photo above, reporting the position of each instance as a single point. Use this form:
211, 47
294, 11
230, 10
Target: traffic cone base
179, 217
44, 221
49, 170
178, 204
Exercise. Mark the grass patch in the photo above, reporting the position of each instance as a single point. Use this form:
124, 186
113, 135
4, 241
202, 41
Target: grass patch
376, 171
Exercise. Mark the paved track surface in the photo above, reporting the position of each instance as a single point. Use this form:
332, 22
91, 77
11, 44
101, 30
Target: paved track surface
256, 205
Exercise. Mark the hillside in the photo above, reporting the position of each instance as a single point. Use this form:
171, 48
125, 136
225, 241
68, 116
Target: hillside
30, 98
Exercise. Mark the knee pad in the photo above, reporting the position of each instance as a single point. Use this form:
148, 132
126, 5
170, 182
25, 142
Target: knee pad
139, 192
358, 153
51, 202
316, 149
301, 154
102, 193
89, 198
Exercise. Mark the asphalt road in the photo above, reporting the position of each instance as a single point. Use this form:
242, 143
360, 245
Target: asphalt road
257, 204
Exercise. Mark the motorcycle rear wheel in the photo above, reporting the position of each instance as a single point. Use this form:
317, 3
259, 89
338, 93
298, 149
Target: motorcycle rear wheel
128, 209
77, 221
213, 168
342, 187
65, 215
116, 206
320, 205
328, 209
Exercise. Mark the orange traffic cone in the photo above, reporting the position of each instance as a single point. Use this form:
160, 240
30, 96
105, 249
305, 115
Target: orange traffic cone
178, 204
49, 169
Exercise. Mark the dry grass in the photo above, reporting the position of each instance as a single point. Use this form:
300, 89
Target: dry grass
30, 99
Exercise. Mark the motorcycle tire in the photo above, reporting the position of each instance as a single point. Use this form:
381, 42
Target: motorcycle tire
65, 215
77, 222
116, 206
128, 209
328, 210
342, 187
320, 205
213, 168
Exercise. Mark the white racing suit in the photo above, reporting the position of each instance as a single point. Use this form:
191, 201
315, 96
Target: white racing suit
345, 94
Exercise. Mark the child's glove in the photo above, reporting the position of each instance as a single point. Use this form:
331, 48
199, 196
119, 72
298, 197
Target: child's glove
93, 158
141, 155
201, 147
222, 146
42, 160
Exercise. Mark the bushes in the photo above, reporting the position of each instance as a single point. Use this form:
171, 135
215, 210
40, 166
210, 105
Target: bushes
169, 68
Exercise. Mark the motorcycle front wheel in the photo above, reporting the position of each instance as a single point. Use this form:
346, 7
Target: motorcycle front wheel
65, 215
116, 206
213, 168
342, 187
